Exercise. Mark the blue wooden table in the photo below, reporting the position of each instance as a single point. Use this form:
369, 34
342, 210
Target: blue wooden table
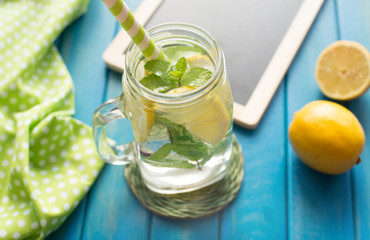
280, 197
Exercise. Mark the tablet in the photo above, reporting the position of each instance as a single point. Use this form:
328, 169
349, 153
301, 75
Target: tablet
267, 35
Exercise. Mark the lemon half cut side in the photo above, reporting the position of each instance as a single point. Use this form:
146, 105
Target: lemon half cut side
343, 70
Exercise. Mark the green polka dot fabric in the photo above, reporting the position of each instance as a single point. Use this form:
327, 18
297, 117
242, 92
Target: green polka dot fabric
47, 158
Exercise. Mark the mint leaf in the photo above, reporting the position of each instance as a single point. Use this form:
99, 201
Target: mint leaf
182, 143
163, 79
159, 83
219, 148
159, 67
172, 81
181, 64
193, 151
179, 69
162, 152
179, 134
195, 77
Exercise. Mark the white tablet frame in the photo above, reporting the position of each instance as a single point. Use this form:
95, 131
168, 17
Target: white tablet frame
248, 115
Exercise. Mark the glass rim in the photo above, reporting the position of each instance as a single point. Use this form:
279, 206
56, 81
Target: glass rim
134, 52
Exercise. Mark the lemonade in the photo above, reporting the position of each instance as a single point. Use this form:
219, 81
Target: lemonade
182, 118
180, 108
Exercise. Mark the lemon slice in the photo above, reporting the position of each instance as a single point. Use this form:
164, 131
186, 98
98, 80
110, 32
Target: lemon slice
200, 61
343, 70
210, 124
142, 120
208, 121
180, 90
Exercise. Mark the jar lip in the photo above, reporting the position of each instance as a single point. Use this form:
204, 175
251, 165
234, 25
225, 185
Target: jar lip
134, 51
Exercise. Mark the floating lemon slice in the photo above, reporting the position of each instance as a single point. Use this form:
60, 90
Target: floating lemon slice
343, 70
180, 90
200, 61
208, 121
210, 124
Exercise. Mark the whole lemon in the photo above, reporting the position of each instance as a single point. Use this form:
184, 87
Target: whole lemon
327, 137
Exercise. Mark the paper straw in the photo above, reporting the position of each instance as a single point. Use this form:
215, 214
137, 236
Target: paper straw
134, 29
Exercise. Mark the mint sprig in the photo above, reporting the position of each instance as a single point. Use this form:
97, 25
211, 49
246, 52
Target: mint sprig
163, 78
182, 143
190, 152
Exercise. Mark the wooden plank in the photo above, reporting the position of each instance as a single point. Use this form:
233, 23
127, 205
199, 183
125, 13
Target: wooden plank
113, 212
259, 211
202, 228
81, 46
72, 228
354, 25
81, 49
320, 206
360, 174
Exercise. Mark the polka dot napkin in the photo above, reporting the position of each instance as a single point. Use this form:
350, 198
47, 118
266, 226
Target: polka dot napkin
47, 158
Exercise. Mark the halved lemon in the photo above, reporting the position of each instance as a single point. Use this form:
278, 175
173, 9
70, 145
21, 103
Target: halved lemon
208, 121
343, 70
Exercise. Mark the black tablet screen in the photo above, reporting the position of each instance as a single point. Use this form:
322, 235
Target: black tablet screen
249, 32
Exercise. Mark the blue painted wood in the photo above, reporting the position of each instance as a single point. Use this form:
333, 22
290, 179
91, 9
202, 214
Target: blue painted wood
111, 202
361, 177
71, 229
316, 206
113, 211
320, 206
82, 47
354, 19
259, 211
202, 228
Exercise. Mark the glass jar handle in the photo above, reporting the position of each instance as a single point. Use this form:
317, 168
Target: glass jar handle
107, 148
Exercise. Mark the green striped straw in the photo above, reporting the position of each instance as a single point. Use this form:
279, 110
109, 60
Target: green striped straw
134, 29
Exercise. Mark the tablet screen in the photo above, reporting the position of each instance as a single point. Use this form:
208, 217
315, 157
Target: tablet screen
249, 32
